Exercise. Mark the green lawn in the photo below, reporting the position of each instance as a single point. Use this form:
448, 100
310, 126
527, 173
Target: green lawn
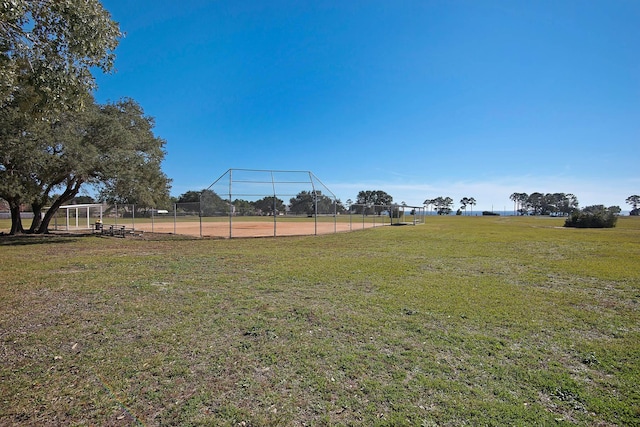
462, 320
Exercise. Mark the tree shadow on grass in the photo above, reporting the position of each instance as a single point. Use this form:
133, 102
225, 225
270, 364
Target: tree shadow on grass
38, 239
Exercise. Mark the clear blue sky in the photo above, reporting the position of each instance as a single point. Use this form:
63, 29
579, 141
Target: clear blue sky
416, 98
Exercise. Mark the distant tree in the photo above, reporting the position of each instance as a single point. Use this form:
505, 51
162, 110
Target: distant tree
471, 202
535, 203
567, 204
243, 207
519, 202
190, 197
269, 205
307, 201
467, 201
615, 209
634, 201
211, 204
428, 203
546, 204
443, 205
514, 198
303, 203
189, 202
596, 216
82, 200
374, 199
463, 205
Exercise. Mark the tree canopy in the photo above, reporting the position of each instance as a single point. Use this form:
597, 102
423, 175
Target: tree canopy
53, 137
111, 147
374, 197
596, 216
634, 201
467, 201
212, 205
370, 200
52, 46
270, 205
308, 201
441, 204
544, 204
303, 203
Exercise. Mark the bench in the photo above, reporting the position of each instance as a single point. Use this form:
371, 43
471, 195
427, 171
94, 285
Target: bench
116, 230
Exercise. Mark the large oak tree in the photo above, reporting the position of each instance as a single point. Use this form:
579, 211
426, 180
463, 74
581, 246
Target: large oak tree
53, 138
111, 147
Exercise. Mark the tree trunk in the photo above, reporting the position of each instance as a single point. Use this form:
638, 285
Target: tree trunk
71, 192
37, 217
16, 221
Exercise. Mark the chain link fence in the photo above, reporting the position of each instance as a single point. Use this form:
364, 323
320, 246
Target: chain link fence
307, 213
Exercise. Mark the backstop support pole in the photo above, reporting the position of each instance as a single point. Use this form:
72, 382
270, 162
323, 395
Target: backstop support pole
230, 199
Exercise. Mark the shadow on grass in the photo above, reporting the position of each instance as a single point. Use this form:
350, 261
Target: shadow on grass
38, 239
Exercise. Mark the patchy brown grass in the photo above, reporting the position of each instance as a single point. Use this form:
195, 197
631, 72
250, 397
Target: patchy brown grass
459, 321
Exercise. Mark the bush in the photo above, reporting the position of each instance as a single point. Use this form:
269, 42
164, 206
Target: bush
592, 217
488, 213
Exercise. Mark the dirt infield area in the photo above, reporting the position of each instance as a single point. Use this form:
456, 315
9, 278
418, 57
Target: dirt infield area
254, 228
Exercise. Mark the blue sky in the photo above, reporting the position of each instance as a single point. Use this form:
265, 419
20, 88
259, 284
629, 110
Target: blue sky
416, 98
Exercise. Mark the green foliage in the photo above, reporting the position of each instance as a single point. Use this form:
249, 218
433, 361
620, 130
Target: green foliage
53, 46
80, 200
464, 202
53, 138
189, 197
371, 202
212, 205
111, 147
130, 156
374, 197
556, 204
243, 207
306, 202
269, 205
441, 204
596, 216
634, 201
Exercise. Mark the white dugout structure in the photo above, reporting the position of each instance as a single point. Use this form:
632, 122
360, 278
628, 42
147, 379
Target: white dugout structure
79, 217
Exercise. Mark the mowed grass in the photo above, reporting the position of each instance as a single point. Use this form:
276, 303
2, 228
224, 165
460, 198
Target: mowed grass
460, 321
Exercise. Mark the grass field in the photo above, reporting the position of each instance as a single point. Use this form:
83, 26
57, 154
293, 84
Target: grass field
460, 321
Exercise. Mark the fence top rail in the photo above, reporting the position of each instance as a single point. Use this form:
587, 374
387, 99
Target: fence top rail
84, 205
